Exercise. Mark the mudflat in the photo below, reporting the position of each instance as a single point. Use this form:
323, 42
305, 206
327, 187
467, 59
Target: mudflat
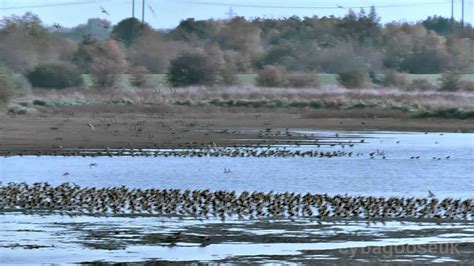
133, 126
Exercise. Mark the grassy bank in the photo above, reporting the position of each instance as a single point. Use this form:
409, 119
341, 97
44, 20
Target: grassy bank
414, 103
159, 80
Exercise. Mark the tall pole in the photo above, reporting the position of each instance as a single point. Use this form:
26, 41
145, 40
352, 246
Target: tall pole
143, 13
462, 18
133, 8
452, 11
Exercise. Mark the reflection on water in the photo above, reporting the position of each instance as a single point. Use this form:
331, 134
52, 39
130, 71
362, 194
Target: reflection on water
414, 163
59, 239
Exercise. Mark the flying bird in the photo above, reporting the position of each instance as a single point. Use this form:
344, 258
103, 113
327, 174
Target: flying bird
430, 194
57, 26
152, 10
104, 11
91, 126
339, 6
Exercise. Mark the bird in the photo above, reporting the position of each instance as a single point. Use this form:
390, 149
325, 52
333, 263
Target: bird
91, 126
430, 194
92, 165
152, 10
57, 26
104, 11
66, 174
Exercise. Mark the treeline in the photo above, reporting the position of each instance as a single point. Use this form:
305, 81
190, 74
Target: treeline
209, 52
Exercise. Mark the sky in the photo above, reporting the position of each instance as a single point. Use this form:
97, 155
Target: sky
162, 14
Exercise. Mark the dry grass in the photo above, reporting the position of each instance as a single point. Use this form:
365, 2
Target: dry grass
329, 98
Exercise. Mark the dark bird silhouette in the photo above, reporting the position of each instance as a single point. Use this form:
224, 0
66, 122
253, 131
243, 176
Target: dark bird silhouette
104, 11
57, 26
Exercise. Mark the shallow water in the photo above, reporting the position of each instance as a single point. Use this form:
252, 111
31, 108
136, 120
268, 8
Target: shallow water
53, 238
64, 239
396, 175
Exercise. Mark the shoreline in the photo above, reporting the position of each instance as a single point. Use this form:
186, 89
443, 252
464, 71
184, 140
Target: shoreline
169, 126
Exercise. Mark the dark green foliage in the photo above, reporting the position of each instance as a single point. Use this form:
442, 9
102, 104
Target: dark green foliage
261, 104
356, 78
128, 30
445, 26
40, 102
450, 81
192, 69
447, 113
57, 76
191, 30
199, 68
426, 61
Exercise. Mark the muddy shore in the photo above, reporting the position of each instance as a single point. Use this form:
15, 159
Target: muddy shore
129, 126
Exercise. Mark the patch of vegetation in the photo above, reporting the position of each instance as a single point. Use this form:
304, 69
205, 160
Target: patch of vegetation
277, 76
450, 81
139, 76
62, 102
355, 78
120, 101
363, 105
422, 85
394, 78
446, 113
262, 104
20, 109
272, 76
56, 76
200, 68
11, 84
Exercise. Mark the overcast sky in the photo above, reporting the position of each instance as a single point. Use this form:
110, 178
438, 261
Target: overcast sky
168, 13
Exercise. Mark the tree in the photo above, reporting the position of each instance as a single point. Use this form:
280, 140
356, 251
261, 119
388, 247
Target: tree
95, 28
450, 81
11, 84
57, 76
153, 52
200, 68
108, 64
24, 43
194, 31
240, 35
355, 78
129, 30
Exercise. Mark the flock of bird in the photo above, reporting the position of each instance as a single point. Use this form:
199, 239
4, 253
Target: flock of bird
73, 199
199, 152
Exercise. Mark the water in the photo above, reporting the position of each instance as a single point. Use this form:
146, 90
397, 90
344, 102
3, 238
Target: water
35, 238
397, 175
